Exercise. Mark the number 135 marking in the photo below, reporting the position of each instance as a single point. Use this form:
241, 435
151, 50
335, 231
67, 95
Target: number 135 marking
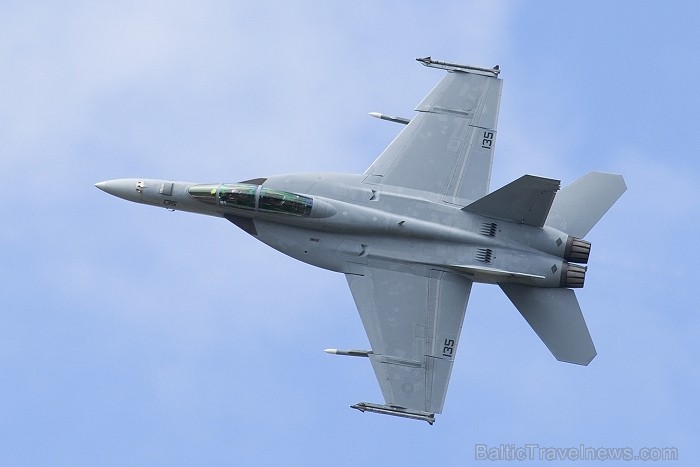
448, 349
487, 140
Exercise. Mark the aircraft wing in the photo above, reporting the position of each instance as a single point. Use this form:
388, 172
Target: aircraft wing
447, 148
413, 323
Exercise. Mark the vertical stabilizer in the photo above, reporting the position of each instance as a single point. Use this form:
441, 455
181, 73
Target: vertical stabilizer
579, 206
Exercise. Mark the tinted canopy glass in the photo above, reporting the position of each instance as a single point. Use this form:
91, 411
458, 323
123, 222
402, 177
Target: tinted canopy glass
238, 195
252, 198
284, 201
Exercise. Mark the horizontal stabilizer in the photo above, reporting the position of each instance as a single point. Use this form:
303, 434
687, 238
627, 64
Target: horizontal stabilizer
526, 200
555, 315
579, 206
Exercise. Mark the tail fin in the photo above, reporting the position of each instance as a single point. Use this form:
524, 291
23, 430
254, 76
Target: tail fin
526, 200
555, 315
579, 206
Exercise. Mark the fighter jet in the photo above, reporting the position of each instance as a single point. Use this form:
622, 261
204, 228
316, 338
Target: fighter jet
416, 230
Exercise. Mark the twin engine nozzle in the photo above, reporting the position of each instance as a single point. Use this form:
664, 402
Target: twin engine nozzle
572, 276
577, 251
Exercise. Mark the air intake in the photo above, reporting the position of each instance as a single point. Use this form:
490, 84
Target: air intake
577, 250
572, 276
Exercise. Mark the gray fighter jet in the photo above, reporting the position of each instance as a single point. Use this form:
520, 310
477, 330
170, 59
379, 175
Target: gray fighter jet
415, 231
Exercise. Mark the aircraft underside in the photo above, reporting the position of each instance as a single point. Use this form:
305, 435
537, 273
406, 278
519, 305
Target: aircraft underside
416, 229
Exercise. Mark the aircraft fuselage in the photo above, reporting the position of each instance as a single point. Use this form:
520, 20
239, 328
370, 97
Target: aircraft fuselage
339, 223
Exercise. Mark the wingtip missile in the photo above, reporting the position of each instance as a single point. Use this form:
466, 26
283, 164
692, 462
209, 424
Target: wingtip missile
429, 62
395, 411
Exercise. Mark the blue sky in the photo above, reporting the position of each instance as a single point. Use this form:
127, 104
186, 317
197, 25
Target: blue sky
136, 336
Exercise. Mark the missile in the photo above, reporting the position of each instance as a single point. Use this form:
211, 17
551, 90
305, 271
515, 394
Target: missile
349, 353
395, 411
428, 61
401, 120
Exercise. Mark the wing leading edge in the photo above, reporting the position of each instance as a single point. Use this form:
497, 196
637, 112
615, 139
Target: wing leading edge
447, 149
413, 323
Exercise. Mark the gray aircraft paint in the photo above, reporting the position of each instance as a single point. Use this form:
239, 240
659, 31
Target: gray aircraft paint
415, 231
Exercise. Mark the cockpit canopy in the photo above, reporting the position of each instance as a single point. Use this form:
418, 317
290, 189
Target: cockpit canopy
252, 198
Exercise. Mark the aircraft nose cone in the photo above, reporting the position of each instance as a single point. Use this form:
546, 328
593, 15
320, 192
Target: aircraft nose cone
125, 188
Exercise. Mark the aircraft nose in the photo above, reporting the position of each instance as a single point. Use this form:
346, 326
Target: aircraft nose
125, 188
